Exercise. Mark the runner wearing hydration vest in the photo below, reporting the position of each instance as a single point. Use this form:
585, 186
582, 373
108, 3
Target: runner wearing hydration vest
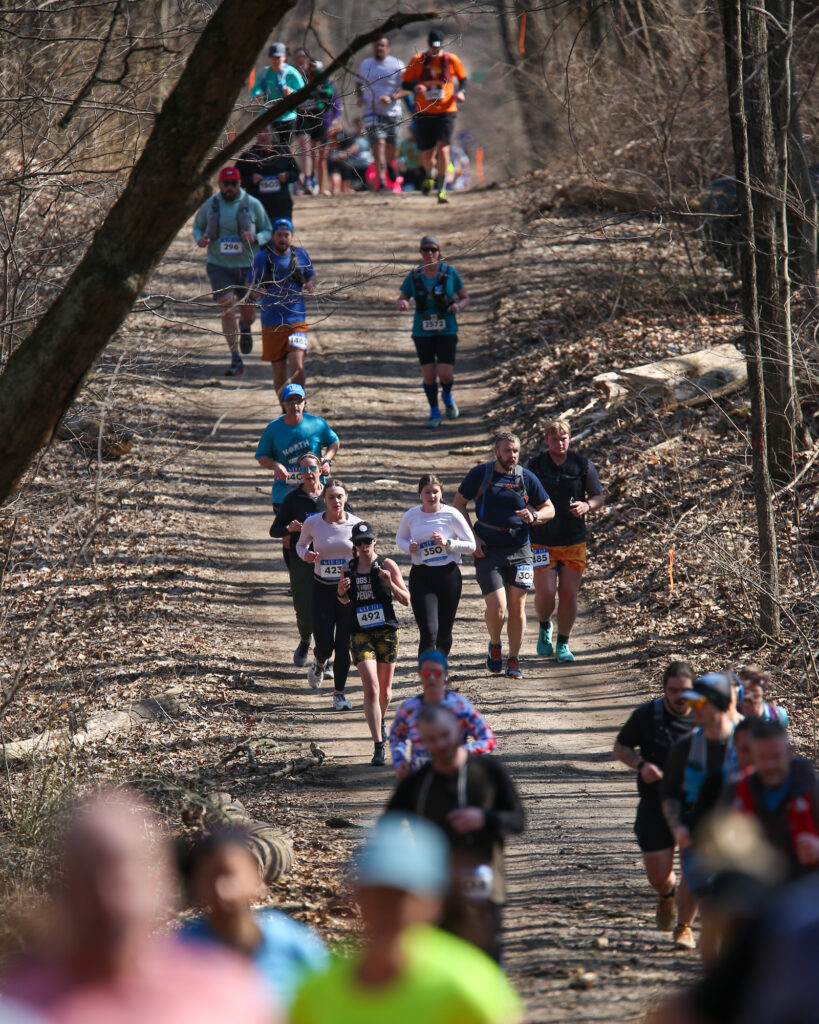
559, 547
368, 586
435, 536
439, 294
508, 501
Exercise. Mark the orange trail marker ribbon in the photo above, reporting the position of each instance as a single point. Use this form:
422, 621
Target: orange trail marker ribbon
522, 40
671, 569
479, 164
251, 79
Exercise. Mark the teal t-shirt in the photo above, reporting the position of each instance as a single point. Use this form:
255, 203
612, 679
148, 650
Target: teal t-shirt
445, 981
285, 443
230, 249
270, 85
431, 317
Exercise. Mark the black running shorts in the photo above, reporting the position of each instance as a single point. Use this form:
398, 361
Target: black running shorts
434, 128
651, 828
436, 348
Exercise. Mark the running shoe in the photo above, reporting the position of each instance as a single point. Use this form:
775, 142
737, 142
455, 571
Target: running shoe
494, 661
379, 755
684, 937
236, 368
513, 667
434, 419
452, 411
442, 196
428, 186
665, 912
300, 653
245, 339
563, 653
315, 674
544, 642
340, 702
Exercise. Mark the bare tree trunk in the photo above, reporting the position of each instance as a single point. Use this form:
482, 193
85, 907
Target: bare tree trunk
169, 181
736, 76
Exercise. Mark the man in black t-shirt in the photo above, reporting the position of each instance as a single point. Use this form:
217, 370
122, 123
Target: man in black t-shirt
268, 169
643, 744
559, 546
474, 802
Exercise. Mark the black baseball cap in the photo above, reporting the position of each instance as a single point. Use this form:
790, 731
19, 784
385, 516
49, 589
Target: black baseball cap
715, 687
435, 38
363, 531
277, 50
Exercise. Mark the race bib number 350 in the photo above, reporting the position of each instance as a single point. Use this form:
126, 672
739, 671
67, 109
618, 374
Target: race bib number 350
330, 568
230, 246
525, 575
540, 558
432, 552
370, 615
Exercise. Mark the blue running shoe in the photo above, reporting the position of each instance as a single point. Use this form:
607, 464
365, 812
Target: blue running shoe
563, 653
494, 661
544, 642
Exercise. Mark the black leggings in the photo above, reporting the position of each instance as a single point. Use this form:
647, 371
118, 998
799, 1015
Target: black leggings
435, 591
331, 630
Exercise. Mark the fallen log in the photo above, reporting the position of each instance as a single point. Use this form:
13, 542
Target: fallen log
272, 848
96, 727
686, 379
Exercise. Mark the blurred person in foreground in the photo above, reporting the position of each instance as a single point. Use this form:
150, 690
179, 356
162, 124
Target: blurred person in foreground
407, 969
223, 878
473, 800
102, 959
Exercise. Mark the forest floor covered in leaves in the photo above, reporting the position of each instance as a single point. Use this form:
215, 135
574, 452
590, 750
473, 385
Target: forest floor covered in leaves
135, 562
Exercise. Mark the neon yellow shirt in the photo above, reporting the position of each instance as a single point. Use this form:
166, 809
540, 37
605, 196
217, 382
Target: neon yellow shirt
445, 981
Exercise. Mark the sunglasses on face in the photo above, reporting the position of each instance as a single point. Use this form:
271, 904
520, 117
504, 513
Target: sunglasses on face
432, 673
309, 469
695, 703
430, 248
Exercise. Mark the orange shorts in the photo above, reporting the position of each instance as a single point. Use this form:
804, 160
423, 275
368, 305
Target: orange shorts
275, 344
573, 556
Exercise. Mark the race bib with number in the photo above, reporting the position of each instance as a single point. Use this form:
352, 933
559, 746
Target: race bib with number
435, 92
298, 339
293, 478
431, 552
330, 568
433, 323
230, 246
525, 575
540, 557
268, 185
370, 615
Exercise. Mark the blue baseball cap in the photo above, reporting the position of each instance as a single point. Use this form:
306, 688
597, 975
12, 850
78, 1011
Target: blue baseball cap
283, 224
404, 852
292, 389
436, 656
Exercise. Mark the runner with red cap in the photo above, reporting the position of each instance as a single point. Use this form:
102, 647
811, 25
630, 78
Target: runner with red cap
232, 226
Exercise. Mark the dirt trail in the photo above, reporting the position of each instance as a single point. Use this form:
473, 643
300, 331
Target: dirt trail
578, 897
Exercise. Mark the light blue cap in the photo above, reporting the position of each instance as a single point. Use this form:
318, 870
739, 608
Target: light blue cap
404, 852
292, 389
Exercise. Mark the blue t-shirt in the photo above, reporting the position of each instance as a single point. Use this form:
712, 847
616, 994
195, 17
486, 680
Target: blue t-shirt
773, 798
287, 953
285, 443
283, 298
499, 503
453, 285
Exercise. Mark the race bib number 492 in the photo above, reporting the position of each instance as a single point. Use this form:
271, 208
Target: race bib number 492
370, 615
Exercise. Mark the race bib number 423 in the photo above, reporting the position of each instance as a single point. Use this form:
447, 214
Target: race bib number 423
525, 575
370, 615
330, 568
230, 246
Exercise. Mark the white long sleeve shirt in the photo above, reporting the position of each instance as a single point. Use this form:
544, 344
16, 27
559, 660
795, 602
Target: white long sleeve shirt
332, 541
418, 525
